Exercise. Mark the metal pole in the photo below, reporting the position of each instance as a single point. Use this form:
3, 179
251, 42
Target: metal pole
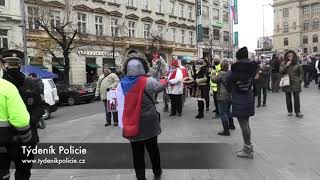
24, 33
263, 19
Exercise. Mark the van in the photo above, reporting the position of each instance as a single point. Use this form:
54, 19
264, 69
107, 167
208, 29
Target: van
50, 96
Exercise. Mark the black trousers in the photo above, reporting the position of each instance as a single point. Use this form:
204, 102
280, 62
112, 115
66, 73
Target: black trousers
15, 153
296, 97
108, 114
215, 100
264, 91
200, 108
275, 78
138, 156
306, 75
176, 103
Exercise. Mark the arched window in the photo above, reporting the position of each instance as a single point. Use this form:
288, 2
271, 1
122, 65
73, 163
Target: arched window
305, 40
315, 38
285, 27
285, 41
306, 25
315, 24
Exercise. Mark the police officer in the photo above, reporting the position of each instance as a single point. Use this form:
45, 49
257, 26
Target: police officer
14, 126
29, 92
214, 87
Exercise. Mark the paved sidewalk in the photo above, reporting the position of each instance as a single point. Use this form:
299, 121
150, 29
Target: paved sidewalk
285, 147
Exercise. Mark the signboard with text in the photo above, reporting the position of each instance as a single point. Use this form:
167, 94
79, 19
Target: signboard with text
199, 7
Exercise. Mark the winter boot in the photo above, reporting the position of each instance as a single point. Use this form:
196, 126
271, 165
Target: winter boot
246, 152
231, 124
225, 131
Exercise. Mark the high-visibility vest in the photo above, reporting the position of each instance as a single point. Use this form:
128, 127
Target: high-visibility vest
13, 112
214, 86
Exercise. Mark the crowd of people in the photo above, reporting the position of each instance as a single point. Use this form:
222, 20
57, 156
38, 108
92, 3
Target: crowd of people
235, 87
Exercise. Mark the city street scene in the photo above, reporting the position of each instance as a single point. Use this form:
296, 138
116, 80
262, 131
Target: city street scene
159, 89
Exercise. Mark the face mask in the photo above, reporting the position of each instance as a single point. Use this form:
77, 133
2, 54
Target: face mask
216, 63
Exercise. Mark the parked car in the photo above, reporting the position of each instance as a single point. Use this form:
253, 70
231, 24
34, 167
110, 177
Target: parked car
50, 96
74, 94
91, 86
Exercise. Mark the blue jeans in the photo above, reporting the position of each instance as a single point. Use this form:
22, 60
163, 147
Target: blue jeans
225, 113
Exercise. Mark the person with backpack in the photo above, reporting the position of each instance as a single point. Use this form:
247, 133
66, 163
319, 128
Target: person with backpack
224, 98
106, 82
241, 80
294, 70
201, 82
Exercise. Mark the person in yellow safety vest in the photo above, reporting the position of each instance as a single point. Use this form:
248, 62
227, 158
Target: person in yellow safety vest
214, 86
14, 125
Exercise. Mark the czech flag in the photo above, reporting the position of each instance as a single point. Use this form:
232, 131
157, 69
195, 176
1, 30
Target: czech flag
129, 96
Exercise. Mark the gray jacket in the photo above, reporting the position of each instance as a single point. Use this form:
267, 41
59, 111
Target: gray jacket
149, 117
223, 94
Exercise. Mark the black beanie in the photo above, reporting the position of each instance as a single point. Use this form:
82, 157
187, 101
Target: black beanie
242, 53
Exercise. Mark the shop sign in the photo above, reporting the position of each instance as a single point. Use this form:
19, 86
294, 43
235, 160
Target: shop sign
98, 53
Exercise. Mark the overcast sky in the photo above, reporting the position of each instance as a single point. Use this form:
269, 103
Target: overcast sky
250, 25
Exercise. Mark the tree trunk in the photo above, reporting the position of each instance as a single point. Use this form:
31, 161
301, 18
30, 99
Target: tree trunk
67, 67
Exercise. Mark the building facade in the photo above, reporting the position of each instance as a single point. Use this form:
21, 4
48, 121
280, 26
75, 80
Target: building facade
10, 25
217, 29
296, 25
113, 28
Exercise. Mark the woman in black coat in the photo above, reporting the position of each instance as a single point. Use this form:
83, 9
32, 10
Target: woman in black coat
241, 79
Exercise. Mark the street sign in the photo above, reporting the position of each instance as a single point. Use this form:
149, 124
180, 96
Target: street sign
199, 7
199, 33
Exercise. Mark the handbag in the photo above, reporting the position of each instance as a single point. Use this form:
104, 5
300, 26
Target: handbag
285, 81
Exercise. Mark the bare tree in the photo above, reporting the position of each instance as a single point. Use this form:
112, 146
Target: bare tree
63, 36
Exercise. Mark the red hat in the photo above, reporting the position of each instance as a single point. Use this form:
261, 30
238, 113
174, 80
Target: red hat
174, 62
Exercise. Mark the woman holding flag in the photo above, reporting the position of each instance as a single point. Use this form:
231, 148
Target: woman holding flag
138, 116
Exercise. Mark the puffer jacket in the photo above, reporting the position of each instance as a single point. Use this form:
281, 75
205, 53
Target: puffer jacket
220, 79
295, 73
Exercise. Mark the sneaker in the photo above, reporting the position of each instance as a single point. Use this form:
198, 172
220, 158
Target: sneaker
107, 124
259, 105
246, 152
290, 114
299, 115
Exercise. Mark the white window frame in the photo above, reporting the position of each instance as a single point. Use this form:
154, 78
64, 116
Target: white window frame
315, 8
55, 18
190, 10
82, 24
2, 37
191, 37
207, 14
145, 4
181, 10
213, 15
306, 10
114, 27
132, 28
159, 6
146, 32
32, 16
160, 31
174, 34
99, 25
172, 6
183, 34
130, 3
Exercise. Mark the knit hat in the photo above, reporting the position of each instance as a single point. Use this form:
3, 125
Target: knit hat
242, 53
174, 62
